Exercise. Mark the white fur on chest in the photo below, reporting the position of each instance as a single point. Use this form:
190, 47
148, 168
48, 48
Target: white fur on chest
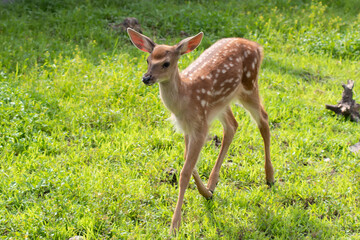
177, 124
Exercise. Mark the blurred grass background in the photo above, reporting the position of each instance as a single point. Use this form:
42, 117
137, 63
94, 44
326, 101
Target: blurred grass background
85, 147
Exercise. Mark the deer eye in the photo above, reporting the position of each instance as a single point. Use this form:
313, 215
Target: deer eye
166, 65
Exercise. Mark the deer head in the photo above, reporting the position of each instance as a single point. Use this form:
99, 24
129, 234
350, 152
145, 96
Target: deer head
163, 59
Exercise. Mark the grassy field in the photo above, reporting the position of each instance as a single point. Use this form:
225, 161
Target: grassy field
85, 147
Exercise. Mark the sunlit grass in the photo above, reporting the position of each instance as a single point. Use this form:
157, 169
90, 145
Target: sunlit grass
85, 147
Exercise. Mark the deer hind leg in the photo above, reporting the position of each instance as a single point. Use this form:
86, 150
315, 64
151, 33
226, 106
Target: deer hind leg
252, 103
194, 144
230, 125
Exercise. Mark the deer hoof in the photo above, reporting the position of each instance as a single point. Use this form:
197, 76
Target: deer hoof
212, 194
270, 184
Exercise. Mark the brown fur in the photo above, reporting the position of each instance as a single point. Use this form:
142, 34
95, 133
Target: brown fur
226, 71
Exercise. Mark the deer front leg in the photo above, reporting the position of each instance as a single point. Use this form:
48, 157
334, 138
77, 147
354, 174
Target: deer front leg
230, 125
194, 145
199, 184
204, 191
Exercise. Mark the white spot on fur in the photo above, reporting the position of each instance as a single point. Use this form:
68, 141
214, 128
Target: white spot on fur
203, 90
253, 65
229, 80
203, 103
248, 92
248, 74
228, 89
219, 92
223, 71
219, 100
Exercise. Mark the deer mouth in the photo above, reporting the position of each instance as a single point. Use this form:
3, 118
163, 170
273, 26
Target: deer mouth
149, 83
148, 80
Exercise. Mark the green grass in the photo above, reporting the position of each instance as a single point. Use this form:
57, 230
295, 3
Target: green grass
85, 146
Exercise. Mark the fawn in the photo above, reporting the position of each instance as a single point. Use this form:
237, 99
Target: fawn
226, 71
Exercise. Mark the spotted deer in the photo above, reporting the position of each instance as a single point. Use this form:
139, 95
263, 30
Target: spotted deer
226, 71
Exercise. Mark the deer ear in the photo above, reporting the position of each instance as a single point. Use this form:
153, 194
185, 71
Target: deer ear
190, 43
140, 41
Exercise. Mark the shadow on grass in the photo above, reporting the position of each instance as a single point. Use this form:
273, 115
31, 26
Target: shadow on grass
269, 222
304, 74
290, 223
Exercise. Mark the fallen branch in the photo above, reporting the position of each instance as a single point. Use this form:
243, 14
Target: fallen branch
347, 105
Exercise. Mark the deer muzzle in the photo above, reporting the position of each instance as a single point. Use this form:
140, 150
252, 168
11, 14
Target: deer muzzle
148, 79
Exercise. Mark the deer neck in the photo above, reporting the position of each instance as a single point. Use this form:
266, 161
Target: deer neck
172, 93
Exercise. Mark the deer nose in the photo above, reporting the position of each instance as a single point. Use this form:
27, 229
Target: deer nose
146, 79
